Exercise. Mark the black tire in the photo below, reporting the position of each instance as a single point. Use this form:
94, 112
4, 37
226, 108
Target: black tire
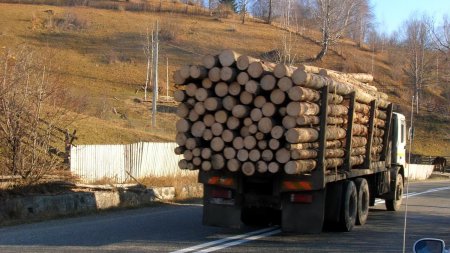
348, 207
395, 203
362, 188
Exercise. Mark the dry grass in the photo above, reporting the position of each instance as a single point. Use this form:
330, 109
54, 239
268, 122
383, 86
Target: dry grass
103, 65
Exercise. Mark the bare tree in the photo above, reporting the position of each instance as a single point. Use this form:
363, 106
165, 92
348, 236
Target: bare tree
29, 116
148, 52
243, 6
334, 17
419, 55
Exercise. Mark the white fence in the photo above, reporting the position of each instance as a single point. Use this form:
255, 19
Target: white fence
418, 171
118, 162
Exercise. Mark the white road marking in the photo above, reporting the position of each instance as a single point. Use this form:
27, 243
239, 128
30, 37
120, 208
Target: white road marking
412, 194
224, 240
244, 240
258, 234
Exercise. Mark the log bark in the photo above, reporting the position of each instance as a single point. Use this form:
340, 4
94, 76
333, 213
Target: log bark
268, 82
337, 110
207, 135
302, 108
300, 135
268, 109
248, 168
206, 153
238, 143
257, 69
283, 155
229, 102
207, 83
221, 89
249, 142
234, 89
209, 120
254, 155
259, 101
221, 116
193, 116
183, 125
191, 88
273, 167
199, 108
228, 57
210, 61
285, 83
198, 72
206, 166
252, 87
233, 123
214, 74
244, 61
228, 135
243, 78
213, 104
217, 144
274, 144
302, 154
179, 95
289, 122
333, 162
297, 93
261, 166
307, 120
228, 74
256, 114
217, 162
198, 128
299, 166
277, 132
233, 165
242, 155
183, 110
240, 111
246, 98
217, 129
334, 133
265, 125
277, 96
229, 153
267, 155
282, 70
201, 94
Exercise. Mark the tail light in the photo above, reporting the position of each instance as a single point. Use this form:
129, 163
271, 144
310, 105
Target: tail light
301, 198
221, 193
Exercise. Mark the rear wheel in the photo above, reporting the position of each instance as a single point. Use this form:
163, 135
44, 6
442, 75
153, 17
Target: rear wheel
349, 207
363, 201
395, 203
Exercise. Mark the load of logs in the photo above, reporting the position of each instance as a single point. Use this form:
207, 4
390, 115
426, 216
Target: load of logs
243, 114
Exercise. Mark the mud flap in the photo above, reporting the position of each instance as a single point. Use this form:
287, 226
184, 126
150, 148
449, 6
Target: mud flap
304, 218
226, 214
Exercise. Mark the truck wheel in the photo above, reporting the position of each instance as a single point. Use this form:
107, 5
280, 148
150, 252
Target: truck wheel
349, 207
363, 201
395, 203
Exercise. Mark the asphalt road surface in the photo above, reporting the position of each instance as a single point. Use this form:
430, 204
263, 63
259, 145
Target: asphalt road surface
169, 228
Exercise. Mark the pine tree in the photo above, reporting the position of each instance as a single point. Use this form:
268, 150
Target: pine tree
231, 3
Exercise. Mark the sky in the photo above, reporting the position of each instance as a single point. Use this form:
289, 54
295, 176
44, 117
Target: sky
390, 14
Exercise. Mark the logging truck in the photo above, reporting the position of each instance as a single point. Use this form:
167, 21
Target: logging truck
300, 146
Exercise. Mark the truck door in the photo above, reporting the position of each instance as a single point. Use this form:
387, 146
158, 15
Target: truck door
399, 140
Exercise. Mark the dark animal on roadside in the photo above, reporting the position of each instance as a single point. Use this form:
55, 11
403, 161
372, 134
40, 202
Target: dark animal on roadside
440, 163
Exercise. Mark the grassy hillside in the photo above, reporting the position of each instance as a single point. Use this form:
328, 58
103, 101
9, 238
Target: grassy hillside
100, 60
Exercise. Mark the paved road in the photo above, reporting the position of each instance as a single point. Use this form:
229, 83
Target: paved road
177, 227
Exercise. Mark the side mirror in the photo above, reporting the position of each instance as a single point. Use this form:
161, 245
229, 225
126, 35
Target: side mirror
429, 245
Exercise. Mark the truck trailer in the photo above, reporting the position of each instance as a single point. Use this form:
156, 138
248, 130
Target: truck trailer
320, 190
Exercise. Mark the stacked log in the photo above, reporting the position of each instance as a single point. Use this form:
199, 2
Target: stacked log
239, 113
